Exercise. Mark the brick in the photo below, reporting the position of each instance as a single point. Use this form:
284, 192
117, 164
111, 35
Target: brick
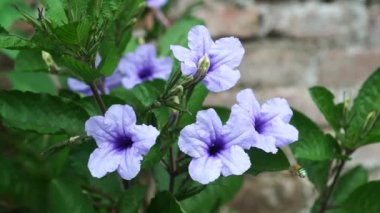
346, 69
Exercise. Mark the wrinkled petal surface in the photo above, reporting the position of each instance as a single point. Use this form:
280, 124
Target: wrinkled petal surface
144, 137
102, 131
130, 163
192, 143
276, 108
103, 160
284, 133
221, 79
235, 161
226, 51
205, 169
200, 40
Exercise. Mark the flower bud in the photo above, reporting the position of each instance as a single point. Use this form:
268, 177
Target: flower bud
178, 90
203, 67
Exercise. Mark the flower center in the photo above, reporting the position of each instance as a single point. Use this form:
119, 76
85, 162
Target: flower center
145, 73
123, 143
215, 148
259, 125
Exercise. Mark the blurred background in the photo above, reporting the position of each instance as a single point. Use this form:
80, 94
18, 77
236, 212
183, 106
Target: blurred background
290, 46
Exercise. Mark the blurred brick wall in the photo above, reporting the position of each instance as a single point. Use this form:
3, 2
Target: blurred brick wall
291, 46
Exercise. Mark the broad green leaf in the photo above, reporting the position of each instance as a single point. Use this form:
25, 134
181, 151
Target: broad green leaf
312, 144
164, 202
364, 199
324, 100
80, 70
176, 35
350, 181
31, 61
67, 33
77, 9
66, 196
132, 199
367, 101
12, 42
42, 113
194, 105
109, 62
317, 172
32, 82
149, 91
267, 162
129, 97
153, 157
215, 194
55, 11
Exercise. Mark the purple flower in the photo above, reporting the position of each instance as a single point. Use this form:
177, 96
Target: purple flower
224, 54
110, 82
121, 143
155, 4
143, 65
215, 148
268, 124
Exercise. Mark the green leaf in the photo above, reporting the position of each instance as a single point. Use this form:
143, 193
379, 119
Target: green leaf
312, 144
364, 199
267, 162
368, 100
149, 91
12, 42
32, 82
317, 172
164, 202
194, 105
80, 70
67, 33
55, 11
90, 105
42, 113
132, 199
31, 61
109, 62
324, 100
153, 157
177, 34
215, 194
66, 196
350, 181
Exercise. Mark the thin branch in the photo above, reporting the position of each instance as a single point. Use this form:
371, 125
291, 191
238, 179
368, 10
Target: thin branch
98, 98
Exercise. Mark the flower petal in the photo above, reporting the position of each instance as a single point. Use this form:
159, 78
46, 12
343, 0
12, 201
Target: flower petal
235, 161
247, 100
155, 3
221, 79
79, 86
276, 107
209, 124
180, 53
187, 58
130, 163
200, 40
103, 160
238, 130
123, 116
103, 132
144, 137
283, 133
267, 143
146, 52
226, 51
162, 68
205, 169
191, 143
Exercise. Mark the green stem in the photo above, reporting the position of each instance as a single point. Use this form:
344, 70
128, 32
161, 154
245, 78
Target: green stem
98, 98
172, 170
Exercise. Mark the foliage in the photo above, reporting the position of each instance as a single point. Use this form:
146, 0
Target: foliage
45, 149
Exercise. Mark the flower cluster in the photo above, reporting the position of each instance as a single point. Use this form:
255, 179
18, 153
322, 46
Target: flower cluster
215, 149
134, 68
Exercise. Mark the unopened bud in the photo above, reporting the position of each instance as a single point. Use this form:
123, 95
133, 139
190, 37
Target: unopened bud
173, 119
178, 90
49, 60
203, 67
346, 103
188, 81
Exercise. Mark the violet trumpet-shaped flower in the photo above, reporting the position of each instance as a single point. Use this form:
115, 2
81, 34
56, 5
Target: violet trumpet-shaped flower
215, 148
224, 56
143, 65
268, 124
121, 143
155, 4
110, 82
